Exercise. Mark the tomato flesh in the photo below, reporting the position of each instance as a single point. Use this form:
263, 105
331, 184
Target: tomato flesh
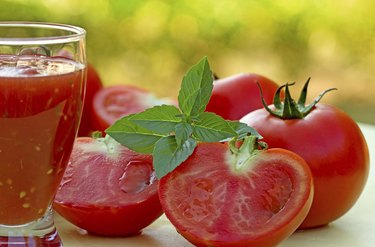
213, 204
111, 193
113, 102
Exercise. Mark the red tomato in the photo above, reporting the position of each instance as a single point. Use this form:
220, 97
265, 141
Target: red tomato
333, 146
233, 97
112, 103
93, 85
213, 202
108, 189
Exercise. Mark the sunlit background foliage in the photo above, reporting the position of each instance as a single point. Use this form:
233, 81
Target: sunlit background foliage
152, 43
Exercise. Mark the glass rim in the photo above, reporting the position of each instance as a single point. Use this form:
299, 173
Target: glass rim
77, 33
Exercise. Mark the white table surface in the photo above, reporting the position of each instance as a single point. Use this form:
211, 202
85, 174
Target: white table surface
354, 229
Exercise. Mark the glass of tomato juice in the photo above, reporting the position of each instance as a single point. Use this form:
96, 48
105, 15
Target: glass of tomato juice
42, 82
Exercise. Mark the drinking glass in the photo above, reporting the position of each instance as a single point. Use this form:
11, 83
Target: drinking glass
42, 81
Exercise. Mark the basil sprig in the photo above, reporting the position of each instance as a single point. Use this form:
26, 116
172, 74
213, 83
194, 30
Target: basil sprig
171, 133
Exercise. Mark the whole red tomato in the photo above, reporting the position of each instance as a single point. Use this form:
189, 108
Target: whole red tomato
223, 198
93, 85
235, 96
331, 143
108, 189
113, 102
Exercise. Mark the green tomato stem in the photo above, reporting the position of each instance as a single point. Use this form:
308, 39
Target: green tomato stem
289, 109
249, 148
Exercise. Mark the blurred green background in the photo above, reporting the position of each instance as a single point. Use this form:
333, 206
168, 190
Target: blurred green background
152, 43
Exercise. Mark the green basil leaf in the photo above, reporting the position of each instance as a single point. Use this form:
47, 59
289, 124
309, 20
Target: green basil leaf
243, 129
133, 136
196, 89
212, 128
161, 119
182, 132
168, 155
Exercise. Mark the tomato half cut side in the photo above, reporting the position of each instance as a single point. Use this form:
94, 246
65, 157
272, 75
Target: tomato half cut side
113, 102
213, 203
108, 189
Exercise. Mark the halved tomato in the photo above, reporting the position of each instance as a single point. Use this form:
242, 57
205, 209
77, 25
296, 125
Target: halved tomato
219, 198
108, 189
113, 102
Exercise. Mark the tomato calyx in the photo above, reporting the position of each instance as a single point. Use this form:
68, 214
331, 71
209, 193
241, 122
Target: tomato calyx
249, 148
290, 109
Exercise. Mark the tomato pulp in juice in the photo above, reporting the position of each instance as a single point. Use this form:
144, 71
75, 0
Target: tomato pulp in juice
40, 107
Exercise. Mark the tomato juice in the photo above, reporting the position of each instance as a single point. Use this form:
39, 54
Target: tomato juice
40, 107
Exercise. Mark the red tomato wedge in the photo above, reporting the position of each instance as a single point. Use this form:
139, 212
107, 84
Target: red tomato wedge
108, 189
113, 102
259, 203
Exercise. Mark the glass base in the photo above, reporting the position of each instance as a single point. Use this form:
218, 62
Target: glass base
49, 240
40, 233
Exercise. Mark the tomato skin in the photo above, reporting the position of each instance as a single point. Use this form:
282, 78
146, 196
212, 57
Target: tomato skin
113, 102
333, 146
207, 179
112, 221
108, 190
235, 96
93, 85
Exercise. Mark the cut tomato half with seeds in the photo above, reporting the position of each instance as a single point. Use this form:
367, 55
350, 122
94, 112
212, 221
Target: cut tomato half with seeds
113, 102
108, 189
216, 198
